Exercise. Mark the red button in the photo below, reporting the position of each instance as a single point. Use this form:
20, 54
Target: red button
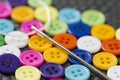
56, 79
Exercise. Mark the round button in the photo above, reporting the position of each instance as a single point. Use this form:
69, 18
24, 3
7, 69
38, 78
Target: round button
69, 15
77, 72
17, 38
5, 10
52, 30
27, 73
8, 63
52, 70
117, 33
38, 43
55, 55
2, 42
56, 79
104, 60
79, 29
85, 55
103, 31
22, 13
89, 43
93, 17
31, 58
41, 15
67, 40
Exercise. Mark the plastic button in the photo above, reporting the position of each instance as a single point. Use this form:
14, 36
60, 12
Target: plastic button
89, 43
27, 73
55, 55
22, 13
52, 70
17, 38
77, 72
56, 79
69, 15
2, 42
79, 29
117, 33
67, 40
93, 17
31, 58
38, 43
103, 31
104, 60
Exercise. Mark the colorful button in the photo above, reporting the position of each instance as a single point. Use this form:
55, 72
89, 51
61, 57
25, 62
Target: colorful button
5, 10
93, 17
52, 70
89, 43
69, 15
55, 55
41, 15
22, 13
2, 42
104, 60
17, 38
67, 40
56, 79
77, 72
56, 27
79, 29
27, 73
31, 58
103, 31
117, 33
8, 63
38, 43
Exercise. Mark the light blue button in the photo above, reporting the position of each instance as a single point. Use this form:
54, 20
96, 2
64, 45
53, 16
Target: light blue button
69, 15
77, 72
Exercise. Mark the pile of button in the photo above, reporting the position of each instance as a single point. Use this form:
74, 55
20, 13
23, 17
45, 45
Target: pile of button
85, 34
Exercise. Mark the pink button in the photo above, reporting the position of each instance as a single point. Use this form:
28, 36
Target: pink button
31, 58
26, 26
5, 10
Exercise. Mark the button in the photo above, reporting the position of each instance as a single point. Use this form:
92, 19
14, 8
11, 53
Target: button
27, 73
85, 55
31, 58
77, 72
93, 17
5, 10
55, 55
52, 70
89, 43
6, 26
69, 15
40, 14
117, 33
52, 30
21, 14
8, 63
2, 42
67, 40
111, 45
56, 79
79, 29
17, 38
38, 43
103, 31
10, 49
104, 60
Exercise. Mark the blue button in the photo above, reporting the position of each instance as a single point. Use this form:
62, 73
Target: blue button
69, 15
77, 72
85, 55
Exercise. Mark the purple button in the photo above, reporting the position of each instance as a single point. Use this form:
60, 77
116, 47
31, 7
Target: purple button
52, 70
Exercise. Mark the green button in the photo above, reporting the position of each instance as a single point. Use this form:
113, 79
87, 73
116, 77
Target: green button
56, 27
93, 17
2, 42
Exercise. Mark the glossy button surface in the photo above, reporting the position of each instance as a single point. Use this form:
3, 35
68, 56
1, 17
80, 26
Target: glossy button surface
117, 33
2, 41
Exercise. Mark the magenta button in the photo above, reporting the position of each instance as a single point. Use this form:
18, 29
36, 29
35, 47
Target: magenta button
31, 58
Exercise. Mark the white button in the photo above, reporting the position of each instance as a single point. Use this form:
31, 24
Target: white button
89, 43
10, 49
17, 38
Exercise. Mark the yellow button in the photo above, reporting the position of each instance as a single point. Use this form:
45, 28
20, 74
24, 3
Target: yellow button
103, 32
38, 43
104, 60
117, 34
40, 14
22, 13
55, 55
27, 73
